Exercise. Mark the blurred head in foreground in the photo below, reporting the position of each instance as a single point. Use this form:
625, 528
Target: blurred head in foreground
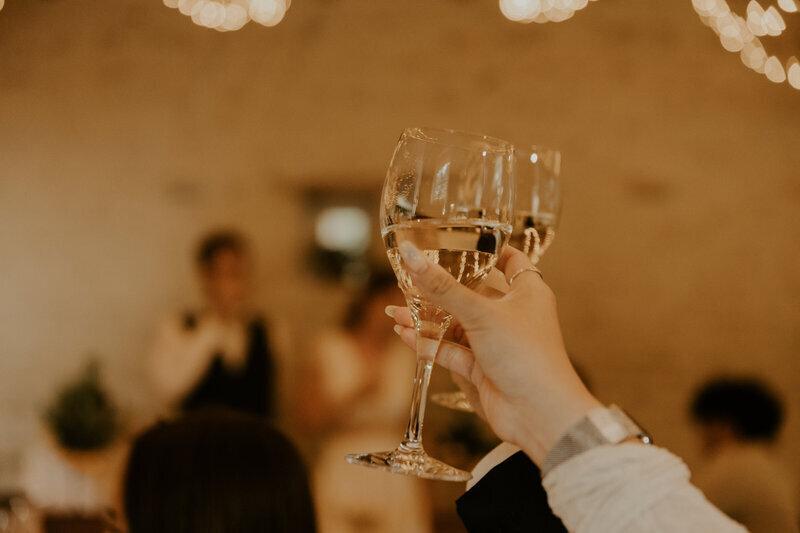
216, 472
223, 264
736, 410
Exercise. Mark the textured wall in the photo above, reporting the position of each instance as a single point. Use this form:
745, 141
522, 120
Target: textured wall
125, 130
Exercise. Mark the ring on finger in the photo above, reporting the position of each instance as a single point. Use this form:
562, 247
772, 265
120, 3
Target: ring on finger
523, 270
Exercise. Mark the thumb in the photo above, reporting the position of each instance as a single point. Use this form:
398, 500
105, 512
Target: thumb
440, 288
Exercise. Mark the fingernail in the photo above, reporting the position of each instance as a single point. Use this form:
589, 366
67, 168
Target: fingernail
398, 329
390, 309
413, 257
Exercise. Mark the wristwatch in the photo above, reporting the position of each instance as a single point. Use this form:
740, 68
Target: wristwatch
600, 426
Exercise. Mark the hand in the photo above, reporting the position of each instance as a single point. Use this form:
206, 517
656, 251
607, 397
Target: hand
454, 335
515, 356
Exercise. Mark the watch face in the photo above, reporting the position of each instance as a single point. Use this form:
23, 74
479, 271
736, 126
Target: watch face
608, 425
614, 424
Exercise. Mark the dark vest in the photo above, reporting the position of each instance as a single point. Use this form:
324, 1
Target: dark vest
249, 389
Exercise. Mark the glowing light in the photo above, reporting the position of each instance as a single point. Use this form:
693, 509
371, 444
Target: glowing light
542, 11
230, 15
755, 18
343, 229
235, 16
774, 70
186, 6
704, 7
558, 15
773, 22
520, 10
754, 56
268, 12
790, 6
534, 158
793, 72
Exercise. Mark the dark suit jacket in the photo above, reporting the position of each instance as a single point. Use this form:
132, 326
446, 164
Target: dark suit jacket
509, 499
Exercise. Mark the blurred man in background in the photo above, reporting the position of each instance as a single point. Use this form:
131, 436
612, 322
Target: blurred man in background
739, 419
219, 355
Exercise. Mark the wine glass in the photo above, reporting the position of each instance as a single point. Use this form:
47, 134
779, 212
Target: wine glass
537, 206
451, 195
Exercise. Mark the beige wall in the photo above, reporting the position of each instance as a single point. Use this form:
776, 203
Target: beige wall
125, 130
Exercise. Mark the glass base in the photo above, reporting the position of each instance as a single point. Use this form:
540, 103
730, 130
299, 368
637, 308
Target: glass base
453, 400
417, 464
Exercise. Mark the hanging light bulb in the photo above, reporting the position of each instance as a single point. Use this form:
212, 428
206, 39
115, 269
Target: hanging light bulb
738, 34
773, 70
230, 15
268, 12
541, 11
793, 72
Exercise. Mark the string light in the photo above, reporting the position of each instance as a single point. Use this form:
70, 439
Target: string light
541, 11
738, 34
793, 72
230, 15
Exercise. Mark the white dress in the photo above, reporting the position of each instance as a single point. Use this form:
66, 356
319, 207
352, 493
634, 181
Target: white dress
351, 498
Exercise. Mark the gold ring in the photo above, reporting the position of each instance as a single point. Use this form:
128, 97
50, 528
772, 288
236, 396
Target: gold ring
521, 270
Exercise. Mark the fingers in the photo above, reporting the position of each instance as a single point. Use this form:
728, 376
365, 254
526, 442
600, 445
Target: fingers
453, 357
440, 287
512, 261
402, 316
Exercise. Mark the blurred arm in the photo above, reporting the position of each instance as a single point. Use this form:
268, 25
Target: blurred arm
180, 357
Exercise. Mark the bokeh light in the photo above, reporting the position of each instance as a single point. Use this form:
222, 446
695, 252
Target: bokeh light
773, 70
231, 15
741, 34
541, 11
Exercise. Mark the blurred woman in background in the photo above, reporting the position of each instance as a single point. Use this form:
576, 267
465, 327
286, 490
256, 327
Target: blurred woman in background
219, 355
355, 396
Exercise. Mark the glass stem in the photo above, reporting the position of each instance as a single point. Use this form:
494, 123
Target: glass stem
412, 441
430, 323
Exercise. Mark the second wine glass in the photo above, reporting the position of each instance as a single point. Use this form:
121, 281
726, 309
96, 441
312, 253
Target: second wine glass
537, 208
450, 194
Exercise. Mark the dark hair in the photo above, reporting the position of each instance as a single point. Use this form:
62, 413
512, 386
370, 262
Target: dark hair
751, 408
216, 472
378, 282
216, 242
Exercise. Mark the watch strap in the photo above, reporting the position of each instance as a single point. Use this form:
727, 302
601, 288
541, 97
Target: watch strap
600, 426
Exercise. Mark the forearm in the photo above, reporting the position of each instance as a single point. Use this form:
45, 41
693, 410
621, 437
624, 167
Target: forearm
179, 360
631, 488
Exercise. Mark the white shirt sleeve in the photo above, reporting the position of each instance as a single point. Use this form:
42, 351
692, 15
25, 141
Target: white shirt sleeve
179, 357
631, 488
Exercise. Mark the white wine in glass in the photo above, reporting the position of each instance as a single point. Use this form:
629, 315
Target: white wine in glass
450, 194
537, 207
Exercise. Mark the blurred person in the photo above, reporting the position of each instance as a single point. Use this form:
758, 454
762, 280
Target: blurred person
738, 421
355, 396
598, 469
219, 355
216, 471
